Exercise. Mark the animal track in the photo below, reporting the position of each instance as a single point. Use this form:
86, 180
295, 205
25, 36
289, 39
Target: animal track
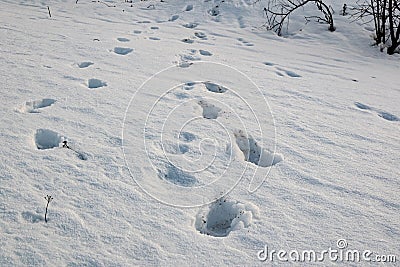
253, 152
188, 8
362, 106
209, 110
215, 88
33, 106
191, 25
177, 176
122, 39
122, 50
154, 38
47, 139
137, 32
154, 27
224, 216
205, 53
95, 83
85, 64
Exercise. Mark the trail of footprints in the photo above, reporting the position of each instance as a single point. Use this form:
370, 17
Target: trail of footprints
383, 114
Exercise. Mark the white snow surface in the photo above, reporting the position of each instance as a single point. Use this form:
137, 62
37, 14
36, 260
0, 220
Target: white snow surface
192, 166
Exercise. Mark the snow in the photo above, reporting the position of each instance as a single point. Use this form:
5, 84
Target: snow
196, 136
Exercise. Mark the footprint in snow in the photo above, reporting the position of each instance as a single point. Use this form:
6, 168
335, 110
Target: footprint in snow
34, 106
187, 136
388, 116
173, 18
47, 139
205, 53
123, 39
191, 25
137, 32
362, 106
253, 152
289, 73
95, 83
154, 38
188, 86
201, 35
176, 176
85, 64
224, 216
154, 28
215, 88
122, 50
188, 8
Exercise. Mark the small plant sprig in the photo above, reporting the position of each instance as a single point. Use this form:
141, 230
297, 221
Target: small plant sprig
48, 199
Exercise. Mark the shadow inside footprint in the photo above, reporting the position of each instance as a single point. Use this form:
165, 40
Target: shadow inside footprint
96, 83
254, 153
122, 50
387, 116
362, 106
47, 139
215, 88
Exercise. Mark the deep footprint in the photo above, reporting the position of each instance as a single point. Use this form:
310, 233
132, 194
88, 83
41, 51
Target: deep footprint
95, 83
47, 139
224, 216
253, 152
215, 88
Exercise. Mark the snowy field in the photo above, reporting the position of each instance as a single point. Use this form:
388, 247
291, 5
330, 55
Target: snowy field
197, 138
